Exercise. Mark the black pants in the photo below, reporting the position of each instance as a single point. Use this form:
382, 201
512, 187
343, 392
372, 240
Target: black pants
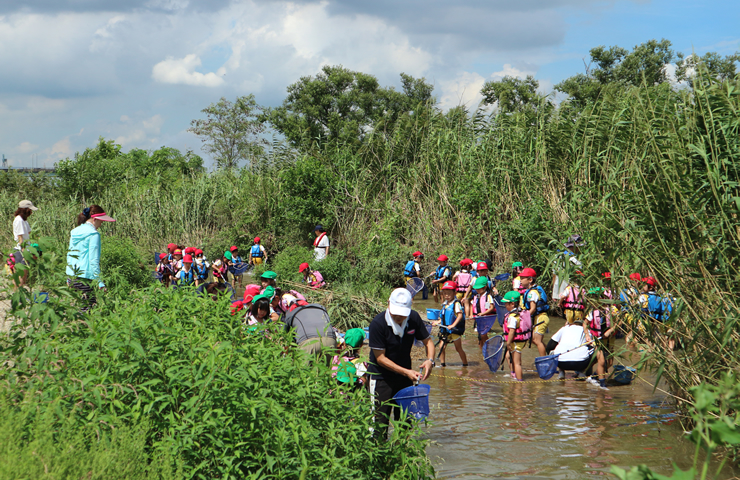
384, 405
581, 366
88, 292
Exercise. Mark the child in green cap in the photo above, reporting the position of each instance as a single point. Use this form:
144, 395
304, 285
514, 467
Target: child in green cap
482, 304
517, 332
268, 279
516, 282
349, 369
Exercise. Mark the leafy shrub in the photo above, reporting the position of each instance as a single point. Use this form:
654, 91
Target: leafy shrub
123, 267
228, 404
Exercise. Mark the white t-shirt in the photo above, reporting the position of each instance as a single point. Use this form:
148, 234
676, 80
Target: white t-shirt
558, 286
568, 337
319, 252
21, 228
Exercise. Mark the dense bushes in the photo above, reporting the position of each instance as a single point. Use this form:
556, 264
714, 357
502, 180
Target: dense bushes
227, 404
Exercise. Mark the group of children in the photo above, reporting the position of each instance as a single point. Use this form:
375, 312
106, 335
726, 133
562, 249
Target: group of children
470, 292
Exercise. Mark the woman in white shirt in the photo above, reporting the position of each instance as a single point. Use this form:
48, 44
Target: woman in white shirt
572, 345
21, 234
320, 244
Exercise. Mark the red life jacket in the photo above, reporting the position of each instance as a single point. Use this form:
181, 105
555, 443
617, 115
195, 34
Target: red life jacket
574, 300
598, 323
524, 330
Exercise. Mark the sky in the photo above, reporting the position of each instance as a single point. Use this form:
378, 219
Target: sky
138, 71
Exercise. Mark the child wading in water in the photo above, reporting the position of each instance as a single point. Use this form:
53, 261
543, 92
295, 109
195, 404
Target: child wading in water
463, 278
236, 260
452, 323
441, 275
482, 304
598, 326
257, 254
313, 278
534, 300
517, 331
412, 269
516, 281
572, 302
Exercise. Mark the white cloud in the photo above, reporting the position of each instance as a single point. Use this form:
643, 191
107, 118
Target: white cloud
183, 72
25, 147
144, 133
465, 88
61, 149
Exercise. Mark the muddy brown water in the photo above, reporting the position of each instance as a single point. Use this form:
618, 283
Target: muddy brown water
553, 430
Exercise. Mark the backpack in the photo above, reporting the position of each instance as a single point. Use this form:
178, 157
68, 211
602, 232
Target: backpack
409, 270
309, 321
654, 307
541, 305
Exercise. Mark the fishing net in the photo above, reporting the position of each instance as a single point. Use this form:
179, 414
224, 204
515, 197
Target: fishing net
414, 401
239, 268
502, 276
433, 314
493, 352
485, 324
156, 258
500, 310
415, 285
419, 343
623, 374
546, 366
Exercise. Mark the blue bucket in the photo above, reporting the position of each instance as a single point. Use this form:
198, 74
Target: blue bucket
433, 313
546, 366
493, 352
419, 343
485, 324
624, 374
414, 401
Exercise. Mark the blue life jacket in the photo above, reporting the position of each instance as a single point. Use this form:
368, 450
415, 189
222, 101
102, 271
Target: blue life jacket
654, 306
541, 306
189, 277
449, 316
440, 272
668, 302
409, 270
256, 251
200, 270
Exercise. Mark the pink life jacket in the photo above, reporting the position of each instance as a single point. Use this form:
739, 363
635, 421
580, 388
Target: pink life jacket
481, 303
524, 331
463, 281
598, 323
574, 300
319, 280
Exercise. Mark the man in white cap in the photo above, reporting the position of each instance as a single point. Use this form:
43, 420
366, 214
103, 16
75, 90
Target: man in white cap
392, 334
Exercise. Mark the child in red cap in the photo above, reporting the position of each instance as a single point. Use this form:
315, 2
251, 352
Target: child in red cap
452, 323
463, 278
257, 254
412, 268
442, 274
164, 269
236, 260
313, 278
186, 276
534, 301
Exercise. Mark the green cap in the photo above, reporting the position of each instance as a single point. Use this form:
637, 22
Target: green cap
595, 290
260, 297
511, 297
354, 337
346, 372
36, 246
227, 256
269, 293
517, 264
269, 274
480, 282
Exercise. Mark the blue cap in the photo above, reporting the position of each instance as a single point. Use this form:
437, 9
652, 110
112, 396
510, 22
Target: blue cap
318, 227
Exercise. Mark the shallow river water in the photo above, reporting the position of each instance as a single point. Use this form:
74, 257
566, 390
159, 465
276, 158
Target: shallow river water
553, 430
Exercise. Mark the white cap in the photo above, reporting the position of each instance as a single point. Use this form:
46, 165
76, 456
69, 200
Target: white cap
27, 204
400, 302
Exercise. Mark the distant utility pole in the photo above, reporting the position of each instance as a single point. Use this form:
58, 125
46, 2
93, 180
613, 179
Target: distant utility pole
5, 161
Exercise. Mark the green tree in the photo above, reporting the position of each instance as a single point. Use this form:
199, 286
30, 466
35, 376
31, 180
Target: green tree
340, 107
714, 64
231, 132
616, 66
511, 93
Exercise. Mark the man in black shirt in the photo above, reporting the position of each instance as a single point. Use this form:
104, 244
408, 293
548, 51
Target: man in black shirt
392, 334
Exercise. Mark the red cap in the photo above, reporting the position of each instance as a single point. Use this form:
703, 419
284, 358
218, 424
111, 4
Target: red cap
528, 272
607, 274
449, 286
442, 258
257, 239
198, 251
481, 266
650, 281
162, 256
636, 277
187, 259
233, 248
177, 252
466, 261
190, 250
417, 254
251, 291
171, 246
303, 266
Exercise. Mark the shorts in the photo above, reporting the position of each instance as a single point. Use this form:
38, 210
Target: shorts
571, 316
460, 295
451, 338
519, 346
18, 257
315, 345
257, 260
542, 327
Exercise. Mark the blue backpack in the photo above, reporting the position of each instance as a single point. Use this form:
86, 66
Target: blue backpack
654, 306
409, 269
541, 306
668, 302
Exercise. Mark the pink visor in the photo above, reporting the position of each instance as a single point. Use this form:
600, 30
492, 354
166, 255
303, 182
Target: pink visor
103, 217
